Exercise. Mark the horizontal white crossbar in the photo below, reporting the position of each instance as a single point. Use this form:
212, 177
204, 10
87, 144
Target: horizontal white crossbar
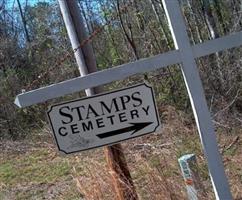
213, 46
123, 71
96, 79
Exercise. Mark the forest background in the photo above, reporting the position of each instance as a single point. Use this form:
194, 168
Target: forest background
35, 51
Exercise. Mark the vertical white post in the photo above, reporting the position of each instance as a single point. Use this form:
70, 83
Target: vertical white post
197, 98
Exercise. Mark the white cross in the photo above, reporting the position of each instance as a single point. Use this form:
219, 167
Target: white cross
184, 54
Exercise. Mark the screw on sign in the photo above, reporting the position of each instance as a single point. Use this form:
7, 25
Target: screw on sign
104, 119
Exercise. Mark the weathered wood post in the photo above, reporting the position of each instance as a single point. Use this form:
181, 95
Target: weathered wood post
87, 64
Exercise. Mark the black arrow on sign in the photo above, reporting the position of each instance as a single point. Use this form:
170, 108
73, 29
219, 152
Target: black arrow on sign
135, 128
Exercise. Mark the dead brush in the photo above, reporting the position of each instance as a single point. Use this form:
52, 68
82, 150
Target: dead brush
159, 185
153, 164
94, 182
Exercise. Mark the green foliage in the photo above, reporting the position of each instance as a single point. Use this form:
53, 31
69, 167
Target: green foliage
33, 168
36, 172
25, 65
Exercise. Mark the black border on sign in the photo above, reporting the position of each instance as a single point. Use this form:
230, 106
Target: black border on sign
98, 95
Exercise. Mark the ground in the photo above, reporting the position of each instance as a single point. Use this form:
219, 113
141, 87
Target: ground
33, 169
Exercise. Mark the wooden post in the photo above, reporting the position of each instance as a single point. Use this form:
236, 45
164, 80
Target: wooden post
87, 64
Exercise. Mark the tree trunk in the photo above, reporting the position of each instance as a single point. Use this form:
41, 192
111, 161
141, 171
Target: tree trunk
129, 36
214, 33
24, 22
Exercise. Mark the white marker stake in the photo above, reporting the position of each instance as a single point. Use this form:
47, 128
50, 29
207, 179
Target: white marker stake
197, 98
188, 175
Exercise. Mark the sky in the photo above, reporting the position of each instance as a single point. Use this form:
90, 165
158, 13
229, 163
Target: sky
13, 3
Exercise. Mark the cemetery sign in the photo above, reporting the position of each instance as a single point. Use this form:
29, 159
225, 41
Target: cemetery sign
104, 119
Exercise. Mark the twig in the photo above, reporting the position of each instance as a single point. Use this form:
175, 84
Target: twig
235, 140
222, 125
151, 146
231, 103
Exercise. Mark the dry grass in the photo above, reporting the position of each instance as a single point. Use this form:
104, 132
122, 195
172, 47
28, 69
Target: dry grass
152, 161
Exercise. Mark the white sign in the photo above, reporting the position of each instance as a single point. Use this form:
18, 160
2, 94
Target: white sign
104, 119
